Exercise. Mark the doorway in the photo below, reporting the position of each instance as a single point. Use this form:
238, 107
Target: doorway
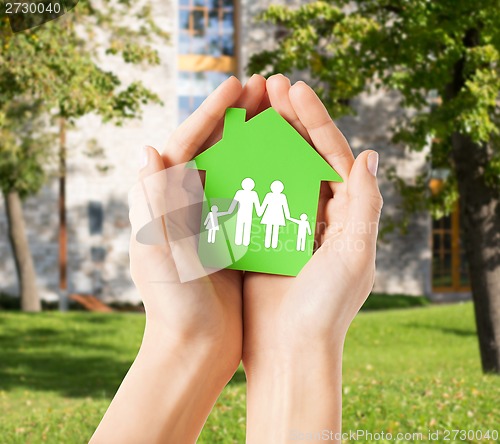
449, 265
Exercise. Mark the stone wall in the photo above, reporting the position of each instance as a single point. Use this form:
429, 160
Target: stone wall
98, 262
403, 260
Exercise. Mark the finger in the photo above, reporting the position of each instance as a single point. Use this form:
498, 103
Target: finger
365, 201
196, 129
250, 98
148, 238
252, 95
149, 246
154, 183
264, 104
144, 202
325, 135
325, 196
152, 162
278, 87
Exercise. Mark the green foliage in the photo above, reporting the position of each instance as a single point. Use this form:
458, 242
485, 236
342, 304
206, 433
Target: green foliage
441, 56
57, 66
404, 371
25, 147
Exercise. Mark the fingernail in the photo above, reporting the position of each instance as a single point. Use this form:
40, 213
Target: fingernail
250, 79
224, 82
144, 157
372, 163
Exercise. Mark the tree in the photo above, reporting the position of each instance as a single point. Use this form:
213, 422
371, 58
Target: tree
443, 59
24, 149
56, 67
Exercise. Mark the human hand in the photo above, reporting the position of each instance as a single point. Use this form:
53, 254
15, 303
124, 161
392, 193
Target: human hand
207, 309
344, 261
295, 327
193, 336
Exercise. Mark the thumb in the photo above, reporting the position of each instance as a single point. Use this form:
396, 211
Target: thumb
144, 196
159, 208
151, 162
365, 200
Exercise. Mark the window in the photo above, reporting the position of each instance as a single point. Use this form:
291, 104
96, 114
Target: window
206, 50
449, 266
96, 217
206, 27
194, 87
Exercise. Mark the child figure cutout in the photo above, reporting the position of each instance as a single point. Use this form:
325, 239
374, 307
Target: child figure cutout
304, 230
212, 223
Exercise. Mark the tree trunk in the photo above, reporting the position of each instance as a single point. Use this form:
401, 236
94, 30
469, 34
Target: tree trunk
480, 217
63, 232
480, 220
30, 300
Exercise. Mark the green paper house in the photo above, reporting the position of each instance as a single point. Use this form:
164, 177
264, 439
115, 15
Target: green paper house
261, 195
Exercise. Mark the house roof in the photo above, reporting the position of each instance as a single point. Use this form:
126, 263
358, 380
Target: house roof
265, 140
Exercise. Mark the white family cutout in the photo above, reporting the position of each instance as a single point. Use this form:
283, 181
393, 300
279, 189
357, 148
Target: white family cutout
274, 213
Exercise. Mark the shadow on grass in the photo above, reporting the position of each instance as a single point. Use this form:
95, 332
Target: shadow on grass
76, 362
73, 363
94, 376
448, 330
379, 301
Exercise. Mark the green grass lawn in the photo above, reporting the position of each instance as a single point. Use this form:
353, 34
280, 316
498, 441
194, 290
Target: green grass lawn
404, 371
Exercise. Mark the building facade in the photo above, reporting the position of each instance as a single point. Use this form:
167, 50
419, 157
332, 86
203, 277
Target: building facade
211, 40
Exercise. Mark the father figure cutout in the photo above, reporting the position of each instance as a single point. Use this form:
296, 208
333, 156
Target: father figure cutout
246, 199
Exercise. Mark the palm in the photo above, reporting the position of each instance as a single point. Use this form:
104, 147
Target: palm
192, 309
276, 306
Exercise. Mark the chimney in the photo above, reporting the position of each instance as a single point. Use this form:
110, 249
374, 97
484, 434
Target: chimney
235, 117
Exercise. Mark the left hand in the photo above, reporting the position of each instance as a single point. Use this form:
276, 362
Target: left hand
284, 314
294, 327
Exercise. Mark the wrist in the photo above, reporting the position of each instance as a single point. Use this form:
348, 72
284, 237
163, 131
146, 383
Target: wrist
300, 390
181, 379
294, 361
290, 350
197, 351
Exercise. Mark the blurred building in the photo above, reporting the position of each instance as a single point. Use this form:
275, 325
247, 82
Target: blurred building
211, 40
